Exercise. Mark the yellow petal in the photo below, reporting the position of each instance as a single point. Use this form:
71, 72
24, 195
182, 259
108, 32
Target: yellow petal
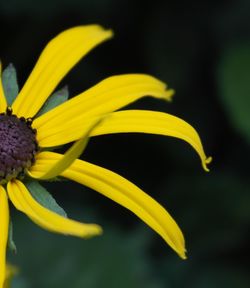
23, 201
73, 152
107, 96
3, 102
69, 132
4, 228
138, 121
121, 191
154, 123
59, 56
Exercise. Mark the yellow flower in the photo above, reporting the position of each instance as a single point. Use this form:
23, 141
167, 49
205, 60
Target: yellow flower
26, 139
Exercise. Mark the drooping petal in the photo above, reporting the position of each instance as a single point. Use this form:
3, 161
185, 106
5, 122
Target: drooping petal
59, 56
3, 102
4, 228
121, 191
139, 121
23, 201
107, 96
154, 123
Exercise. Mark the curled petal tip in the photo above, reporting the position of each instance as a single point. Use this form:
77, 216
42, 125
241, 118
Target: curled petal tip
182, 254
209, 160
171, 93
110, 32
100, 28
206, 162
184, 257
168, 94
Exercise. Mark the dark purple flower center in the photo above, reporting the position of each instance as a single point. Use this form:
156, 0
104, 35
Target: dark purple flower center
18, 146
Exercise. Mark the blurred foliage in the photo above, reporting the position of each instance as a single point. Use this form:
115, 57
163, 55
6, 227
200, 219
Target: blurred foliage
233, 81
112, 260
201, 49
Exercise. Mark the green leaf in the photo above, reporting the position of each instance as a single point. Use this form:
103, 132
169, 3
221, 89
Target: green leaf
44, 197
10, 85
117, 259
54, 100
11, 243
233, 81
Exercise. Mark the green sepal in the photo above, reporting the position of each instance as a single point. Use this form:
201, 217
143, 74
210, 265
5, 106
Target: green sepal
10, 85
11, 243
42, 196
54, 100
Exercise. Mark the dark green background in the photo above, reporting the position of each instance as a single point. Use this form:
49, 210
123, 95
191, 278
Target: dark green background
202, 50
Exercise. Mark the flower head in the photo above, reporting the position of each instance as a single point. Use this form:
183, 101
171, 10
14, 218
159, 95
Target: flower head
27, 134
